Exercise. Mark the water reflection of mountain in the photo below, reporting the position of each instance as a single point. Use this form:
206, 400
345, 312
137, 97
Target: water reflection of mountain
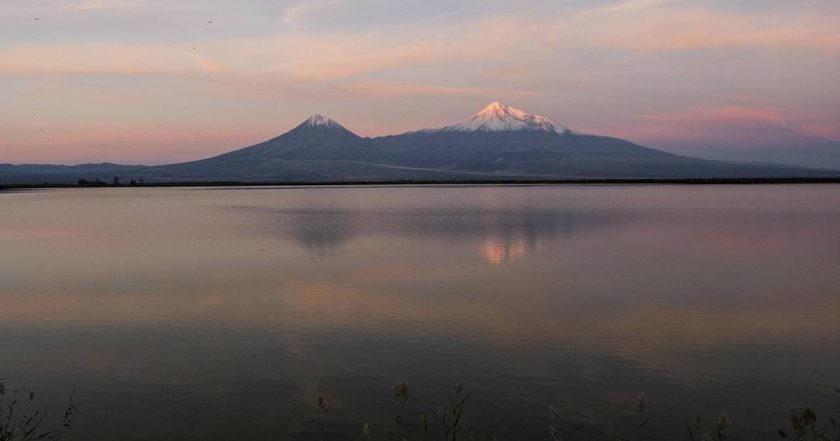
500, 234
497, 251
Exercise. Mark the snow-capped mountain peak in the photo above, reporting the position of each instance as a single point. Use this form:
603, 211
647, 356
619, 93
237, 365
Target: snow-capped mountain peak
319, 120
497, 117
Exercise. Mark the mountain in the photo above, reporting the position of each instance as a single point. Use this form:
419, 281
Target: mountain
498, 142
502, 140
316, 138
498, 117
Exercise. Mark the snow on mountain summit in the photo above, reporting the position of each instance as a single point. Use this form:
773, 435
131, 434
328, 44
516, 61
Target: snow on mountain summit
497, 117
319, 120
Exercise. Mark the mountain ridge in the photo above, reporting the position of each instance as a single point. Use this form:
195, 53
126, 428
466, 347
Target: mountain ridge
498, 142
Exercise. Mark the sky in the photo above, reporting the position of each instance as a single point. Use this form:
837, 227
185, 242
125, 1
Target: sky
160, 81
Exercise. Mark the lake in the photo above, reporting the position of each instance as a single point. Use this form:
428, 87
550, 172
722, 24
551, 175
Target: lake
224, 313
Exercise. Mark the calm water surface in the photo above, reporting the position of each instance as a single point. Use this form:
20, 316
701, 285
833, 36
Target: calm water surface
223, 313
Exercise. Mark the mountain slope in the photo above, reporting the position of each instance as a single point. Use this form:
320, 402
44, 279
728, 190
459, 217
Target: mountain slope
316, 138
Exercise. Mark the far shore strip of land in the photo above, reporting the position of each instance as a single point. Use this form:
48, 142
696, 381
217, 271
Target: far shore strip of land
491, 182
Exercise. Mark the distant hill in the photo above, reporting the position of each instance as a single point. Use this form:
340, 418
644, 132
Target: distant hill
800, 151
499, 142
63, 174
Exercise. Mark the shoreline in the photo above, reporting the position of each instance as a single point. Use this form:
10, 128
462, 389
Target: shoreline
498, 182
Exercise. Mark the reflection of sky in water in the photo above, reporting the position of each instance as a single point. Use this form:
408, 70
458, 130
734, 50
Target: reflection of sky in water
181, 304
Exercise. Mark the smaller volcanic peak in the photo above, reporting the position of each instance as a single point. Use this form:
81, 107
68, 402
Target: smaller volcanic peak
320, 130
497, 117
318, 120
316, 138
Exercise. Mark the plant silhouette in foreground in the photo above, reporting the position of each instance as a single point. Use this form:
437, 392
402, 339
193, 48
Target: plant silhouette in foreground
804, 425
444, 423
17, 424
719, 432
448, 422
321, 419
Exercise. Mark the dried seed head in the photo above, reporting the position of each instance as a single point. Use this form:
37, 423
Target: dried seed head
555, 435
698, 420
796, 422
401, 390
722, 423
808, 416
